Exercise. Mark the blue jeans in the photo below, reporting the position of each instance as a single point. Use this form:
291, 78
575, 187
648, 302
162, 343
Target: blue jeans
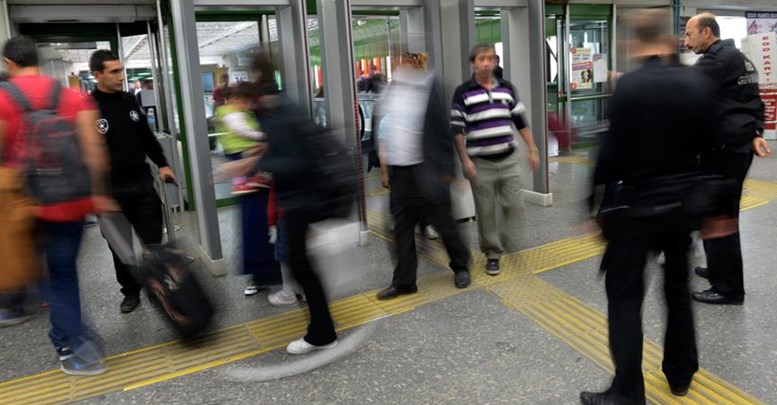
61, 242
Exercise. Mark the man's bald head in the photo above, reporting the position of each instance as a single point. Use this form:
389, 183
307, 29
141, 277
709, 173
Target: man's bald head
701, 31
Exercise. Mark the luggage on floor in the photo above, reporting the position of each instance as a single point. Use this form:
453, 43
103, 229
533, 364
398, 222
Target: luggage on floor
170, 285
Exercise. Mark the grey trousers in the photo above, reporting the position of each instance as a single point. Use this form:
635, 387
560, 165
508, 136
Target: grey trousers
498, 185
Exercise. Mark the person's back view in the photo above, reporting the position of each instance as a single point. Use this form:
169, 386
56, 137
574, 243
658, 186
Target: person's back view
659, 123
60, 226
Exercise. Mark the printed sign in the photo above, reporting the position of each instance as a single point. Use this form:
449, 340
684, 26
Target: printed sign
582, 74
759, 22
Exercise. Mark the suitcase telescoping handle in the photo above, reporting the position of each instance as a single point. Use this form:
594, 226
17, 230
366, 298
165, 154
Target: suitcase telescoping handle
117, 231
166, 210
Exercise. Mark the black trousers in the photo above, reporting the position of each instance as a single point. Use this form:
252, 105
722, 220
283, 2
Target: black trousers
408, 206
141, 205
724, 255
321, 330
624, 279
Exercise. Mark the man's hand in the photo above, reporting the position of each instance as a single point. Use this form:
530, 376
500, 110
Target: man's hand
104, 205
384, 178
761, 147
534, 159
166, 174
470, 171
258, 149
273, 234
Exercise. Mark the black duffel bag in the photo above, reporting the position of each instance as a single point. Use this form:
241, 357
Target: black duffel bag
692, 195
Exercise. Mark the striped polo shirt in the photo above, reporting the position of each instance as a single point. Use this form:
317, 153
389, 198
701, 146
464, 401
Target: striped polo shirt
488, 119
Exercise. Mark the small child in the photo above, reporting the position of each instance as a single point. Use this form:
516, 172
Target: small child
241, 134
287, 295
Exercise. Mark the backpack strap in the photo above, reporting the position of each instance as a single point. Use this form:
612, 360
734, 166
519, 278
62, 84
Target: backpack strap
16, 95
56, 94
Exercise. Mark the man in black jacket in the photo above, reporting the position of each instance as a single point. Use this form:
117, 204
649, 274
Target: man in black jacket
658, 125
130, 141
741, 124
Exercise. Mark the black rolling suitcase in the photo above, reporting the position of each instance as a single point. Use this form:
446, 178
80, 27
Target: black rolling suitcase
170, 286
174, 290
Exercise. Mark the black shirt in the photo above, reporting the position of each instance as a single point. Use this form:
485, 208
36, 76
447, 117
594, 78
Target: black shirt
659, 123
128, 136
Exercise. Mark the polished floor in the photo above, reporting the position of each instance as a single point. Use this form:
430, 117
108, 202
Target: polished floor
536, 334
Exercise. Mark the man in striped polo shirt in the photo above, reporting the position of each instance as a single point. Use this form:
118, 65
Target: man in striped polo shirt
485, 115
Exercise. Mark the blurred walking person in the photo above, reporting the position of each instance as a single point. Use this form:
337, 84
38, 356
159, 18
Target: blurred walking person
659, 123
60, 225
417, 150
300, 187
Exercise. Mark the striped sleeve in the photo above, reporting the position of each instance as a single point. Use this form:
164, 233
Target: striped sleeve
518, 110
458, 113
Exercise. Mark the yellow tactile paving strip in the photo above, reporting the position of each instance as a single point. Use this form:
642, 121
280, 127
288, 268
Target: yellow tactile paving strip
585, 329
562, 315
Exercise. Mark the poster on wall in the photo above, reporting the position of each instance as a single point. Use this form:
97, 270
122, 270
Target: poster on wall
239, 76
759, 22
582, 74
761, 49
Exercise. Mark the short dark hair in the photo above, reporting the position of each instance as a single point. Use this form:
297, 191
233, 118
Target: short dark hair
480, 48
263, 67
244, 90
651, 25
98, 59
22, 51
708, 20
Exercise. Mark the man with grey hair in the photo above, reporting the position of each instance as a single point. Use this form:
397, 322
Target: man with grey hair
741, 124
485, 114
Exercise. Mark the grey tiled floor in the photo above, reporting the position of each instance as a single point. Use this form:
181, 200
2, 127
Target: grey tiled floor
465, 349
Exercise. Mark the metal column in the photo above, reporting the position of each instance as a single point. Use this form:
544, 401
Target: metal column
523, 46
166, 96
336, 35
196, 131
293, 38
457, 38
5, 22
120, 52
411, 30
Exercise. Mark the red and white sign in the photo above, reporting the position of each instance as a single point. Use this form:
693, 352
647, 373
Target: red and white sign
761, 49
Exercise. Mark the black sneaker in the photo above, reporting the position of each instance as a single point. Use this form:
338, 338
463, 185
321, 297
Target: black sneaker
13, 316
462, 279
129, 303
492, 267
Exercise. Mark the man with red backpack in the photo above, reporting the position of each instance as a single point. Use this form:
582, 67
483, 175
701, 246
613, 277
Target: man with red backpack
28, 94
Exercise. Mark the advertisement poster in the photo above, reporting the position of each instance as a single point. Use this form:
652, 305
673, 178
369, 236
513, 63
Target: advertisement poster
759, 22
761, 49
582, 75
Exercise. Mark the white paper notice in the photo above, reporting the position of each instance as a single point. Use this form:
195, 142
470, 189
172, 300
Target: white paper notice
600, 68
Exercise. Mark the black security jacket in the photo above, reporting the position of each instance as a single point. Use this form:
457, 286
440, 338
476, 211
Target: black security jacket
659, 124
736, 94
128, 136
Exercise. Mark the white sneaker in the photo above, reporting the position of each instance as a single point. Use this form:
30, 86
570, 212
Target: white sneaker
251, 290
301, 346
282, 297
431, 234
